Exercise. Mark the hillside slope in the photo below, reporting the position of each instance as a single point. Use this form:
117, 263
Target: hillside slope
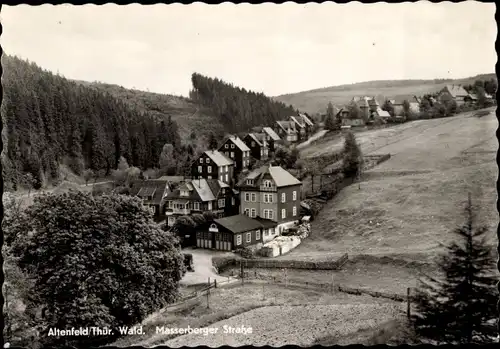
189, 116
315, 101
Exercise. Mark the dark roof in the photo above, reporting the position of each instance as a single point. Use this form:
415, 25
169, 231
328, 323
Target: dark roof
238, 142
172, 179
266, 223
239, 223
147, 188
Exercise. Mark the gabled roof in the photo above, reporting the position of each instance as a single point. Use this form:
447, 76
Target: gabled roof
253, 136
218, 158
274, 136
301, 123
238, 142
203, 189
456, 90
216, 186
147, 188
280, 176
239, 223
172, 179
307, 120
287, 126
473, 96
199, 190
382, 113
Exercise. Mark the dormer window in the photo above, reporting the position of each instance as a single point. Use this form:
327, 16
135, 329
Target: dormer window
184, 193
249, 181
268, 184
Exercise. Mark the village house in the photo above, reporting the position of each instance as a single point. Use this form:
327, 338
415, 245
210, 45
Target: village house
212, 164
235, 149
271, 193
272, 137
286, 130
198, 196
397, 106
233, 232
303, 125
258, 145
152, 193
457, 92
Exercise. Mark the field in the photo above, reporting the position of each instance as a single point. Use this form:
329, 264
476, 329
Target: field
316, 101
245, 305
409, 204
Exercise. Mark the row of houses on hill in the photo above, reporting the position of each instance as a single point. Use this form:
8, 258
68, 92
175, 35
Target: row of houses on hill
371, 110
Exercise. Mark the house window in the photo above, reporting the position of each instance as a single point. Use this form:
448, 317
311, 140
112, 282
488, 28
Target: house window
249, 237
257, 235
227, 178
247, 197
294, 211
283, 197
238, 240
209, 169
232, 146
253, 144
246, 212
233, 201
283, 213
250, 181
268, 198
268, 214
208, 160
226, 146
254, 197
201, 160
268, 184
294, 195
209, 177
196, 205
261, 152
271, 231
253, 213
222, 202
227, 168
200, 169
210, 206
232, 154
170, 204
222, 178
184, 193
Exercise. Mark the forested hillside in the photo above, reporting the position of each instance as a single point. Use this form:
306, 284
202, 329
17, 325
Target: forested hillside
236, 108
195, 122
49, 120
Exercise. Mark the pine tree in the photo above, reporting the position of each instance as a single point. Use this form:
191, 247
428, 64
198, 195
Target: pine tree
331, 121
455, 308
352, 156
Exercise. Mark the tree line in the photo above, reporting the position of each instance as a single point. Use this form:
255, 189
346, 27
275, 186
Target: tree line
237, 109
50, 120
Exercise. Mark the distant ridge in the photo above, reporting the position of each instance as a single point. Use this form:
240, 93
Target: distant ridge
316, 100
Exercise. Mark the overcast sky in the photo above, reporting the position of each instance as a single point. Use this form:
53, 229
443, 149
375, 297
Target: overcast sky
275, 49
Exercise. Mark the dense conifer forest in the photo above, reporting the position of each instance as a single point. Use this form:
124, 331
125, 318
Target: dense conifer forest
49, 120
237, 109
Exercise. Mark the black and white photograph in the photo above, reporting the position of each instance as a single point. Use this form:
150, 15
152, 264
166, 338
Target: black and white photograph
186, 175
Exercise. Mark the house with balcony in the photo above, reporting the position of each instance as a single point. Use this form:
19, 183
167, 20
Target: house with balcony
273, 194
198, 196
272, 137
258, 146
286, 130
212, 164
152, 194
235, 149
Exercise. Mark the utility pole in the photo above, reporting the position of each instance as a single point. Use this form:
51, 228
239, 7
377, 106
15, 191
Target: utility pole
208, 294
408, 310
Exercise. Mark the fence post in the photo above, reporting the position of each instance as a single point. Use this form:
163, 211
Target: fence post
215, 283
208, 294
408, 310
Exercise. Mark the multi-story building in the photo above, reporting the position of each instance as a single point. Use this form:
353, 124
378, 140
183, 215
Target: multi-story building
152, 193
272, 137
258, 145
212, 164
271, 193
304, 126
286, 130
198, 196
235, 149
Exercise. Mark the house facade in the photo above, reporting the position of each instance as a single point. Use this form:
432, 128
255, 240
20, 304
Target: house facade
286, 131
235, 149
198, 196
257, 143
212, 164
456, 92
152, 194
271, 193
